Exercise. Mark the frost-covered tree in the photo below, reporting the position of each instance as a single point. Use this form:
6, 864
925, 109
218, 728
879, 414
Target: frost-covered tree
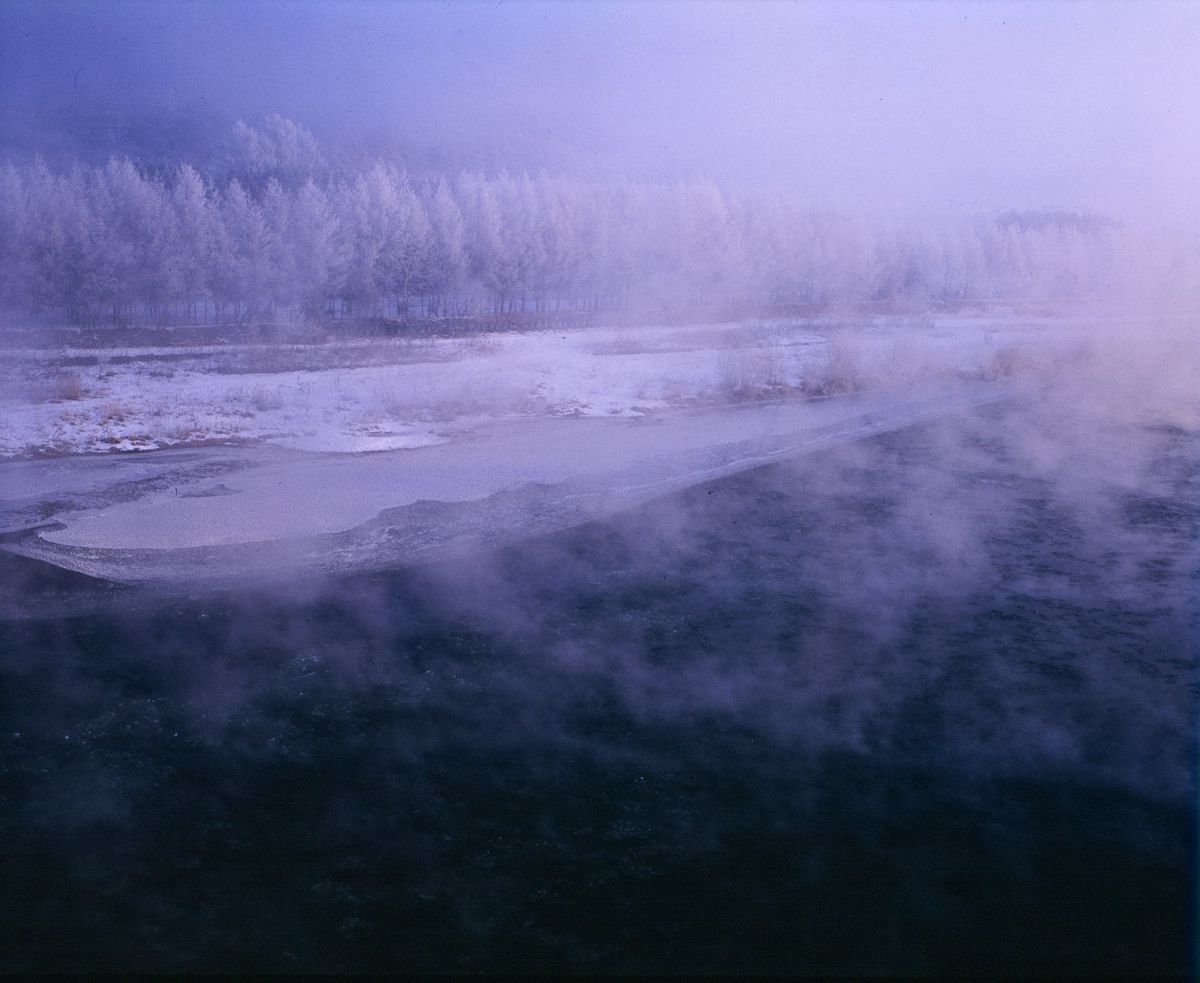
131, 220
278, 147
243, 276
15, 268
386, 232
408, 242
195, 237
485, 236
115, 243
62, 243
317, 246
448, 259
282, 281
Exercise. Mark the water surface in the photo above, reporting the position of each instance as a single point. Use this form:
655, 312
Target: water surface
925, 703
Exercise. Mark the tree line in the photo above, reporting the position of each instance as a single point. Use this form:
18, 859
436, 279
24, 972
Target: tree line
117, 243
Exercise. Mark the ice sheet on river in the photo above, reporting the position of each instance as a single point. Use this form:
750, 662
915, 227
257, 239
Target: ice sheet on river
220, 513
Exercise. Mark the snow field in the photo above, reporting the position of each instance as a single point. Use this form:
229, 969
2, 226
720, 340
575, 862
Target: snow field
355, 396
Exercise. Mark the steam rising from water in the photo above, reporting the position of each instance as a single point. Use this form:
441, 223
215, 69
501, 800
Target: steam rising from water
973, 644
922, 703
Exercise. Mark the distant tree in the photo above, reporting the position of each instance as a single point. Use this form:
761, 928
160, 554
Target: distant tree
448, 246
317, 248
388, 232
278, 147
485, 236
131, 226
362, 240
522, 246
281, 279
117, 242
15, 268
710, 240
245, 246
63, 260
408, 242
196, 237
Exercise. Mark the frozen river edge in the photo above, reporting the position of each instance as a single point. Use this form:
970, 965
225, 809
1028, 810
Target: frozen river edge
218, 515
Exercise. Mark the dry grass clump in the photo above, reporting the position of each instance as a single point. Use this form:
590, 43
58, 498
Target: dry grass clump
263, 399
451, 399
1006, 363
246, 400
841, 371
629, 341
63, 387
478, 345
68, 386
746, 373
114, 413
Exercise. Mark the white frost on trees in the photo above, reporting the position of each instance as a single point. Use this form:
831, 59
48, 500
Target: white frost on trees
286, 238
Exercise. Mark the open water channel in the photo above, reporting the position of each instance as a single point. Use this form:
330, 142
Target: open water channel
921, 703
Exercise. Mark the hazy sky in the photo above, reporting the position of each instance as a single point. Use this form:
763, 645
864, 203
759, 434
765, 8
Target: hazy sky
905, 104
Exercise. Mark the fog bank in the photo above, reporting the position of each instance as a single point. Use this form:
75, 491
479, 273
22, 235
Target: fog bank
892, 106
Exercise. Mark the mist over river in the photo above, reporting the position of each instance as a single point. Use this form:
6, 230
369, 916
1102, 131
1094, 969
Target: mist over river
600, 487
921, 703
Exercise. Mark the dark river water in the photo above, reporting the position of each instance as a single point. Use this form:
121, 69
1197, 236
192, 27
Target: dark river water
925, 703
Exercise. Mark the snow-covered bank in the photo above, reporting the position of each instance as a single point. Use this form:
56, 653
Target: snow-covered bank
213, 514
381, 395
